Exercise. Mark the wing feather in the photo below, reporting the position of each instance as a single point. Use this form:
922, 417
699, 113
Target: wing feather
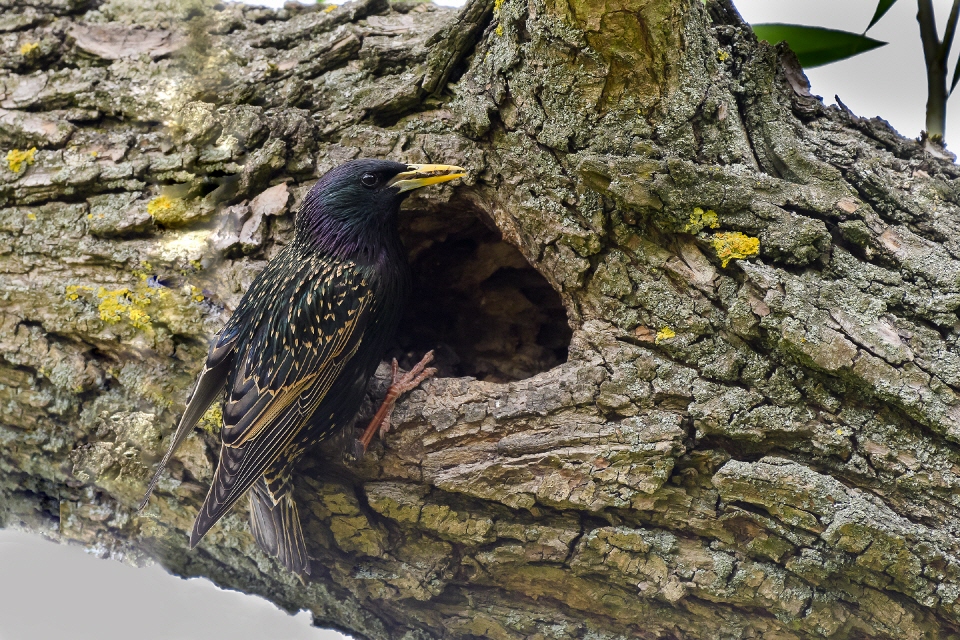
212, 379
282, 376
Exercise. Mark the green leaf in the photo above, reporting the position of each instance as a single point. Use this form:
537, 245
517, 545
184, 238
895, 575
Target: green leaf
816, 46
882, 7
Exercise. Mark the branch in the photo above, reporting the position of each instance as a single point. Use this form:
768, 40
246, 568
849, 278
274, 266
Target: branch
949, 33
928, 31
934, 58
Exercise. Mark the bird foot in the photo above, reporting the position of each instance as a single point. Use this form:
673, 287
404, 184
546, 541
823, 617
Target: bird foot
402, 384
399, 386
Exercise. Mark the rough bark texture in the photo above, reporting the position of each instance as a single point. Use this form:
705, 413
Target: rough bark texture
756, 430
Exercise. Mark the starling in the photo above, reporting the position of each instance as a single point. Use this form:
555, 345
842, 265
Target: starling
297, 353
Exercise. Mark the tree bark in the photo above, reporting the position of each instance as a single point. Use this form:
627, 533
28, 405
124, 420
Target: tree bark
755, 433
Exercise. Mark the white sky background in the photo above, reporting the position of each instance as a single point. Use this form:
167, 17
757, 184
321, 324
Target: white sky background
85, 598
50, 591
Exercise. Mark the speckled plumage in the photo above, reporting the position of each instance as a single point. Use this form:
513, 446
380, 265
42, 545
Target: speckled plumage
296, 355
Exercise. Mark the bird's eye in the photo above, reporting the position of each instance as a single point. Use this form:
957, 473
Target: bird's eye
369, 180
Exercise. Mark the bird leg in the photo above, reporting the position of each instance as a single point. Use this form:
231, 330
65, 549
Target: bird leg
399, 386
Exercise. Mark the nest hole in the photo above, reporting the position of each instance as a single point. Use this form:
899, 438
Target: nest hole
476, 300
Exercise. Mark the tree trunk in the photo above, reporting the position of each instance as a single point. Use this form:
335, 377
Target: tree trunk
750, 429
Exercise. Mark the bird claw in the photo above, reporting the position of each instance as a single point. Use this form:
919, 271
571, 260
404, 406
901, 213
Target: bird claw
411, 379
402, 384
399, 386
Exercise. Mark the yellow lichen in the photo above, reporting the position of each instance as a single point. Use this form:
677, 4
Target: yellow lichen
665, 334
700, 219
113, 304
73, 291
144, 271
161, 203
330, 8
31, 216
722, 55
196, 294
166, 210
138, 318
28, 48
212, 419
118, 304
497, 5
16, 158
140, 305
733, 245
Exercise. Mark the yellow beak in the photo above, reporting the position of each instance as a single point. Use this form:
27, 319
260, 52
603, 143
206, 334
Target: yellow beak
421, 175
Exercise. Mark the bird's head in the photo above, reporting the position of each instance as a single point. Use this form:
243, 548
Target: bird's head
353, 207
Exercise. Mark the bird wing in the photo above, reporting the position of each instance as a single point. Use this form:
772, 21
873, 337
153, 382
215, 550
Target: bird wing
211, 381
309, 326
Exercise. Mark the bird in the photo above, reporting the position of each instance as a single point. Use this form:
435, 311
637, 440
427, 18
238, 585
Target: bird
297, 353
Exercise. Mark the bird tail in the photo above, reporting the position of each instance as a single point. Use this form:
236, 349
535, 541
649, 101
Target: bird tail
276, 526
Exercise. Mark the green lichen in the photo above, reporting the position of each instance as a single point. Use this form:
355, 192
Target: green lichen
733, 245
16, 158
212, 419
459, 526
699, 219
355, 534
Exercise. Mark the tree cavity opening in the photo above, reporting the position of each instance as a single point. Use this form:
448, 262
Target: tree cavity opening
476, 300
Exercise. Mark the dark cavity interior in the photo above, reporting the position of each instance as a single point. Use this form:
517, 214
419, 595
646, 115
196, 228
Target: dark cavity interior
476, 301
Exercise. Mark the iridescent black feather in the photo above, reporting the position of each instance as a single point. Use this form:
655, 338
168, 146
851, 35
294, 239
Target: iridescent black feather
297, 352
